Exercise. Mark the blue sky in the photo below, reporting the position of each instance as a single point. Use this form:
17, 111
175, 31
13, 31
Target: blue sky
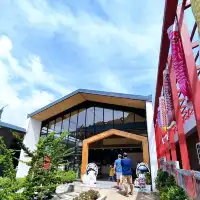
51, 48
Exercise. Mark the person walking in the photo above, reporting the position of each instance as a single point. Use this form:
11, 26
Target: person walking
111, 173
118, 171
126, 164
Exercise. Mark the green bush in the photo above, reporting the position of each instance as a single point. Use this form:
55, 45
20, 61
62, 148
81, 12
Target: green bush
170, 181
148, 178
66, 176
172, 193
167, 187
40, 183
89, 195
161, 179
93, 194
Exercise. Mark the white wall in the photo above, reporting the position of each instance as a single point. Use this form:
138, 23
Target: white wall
152, 143
30, 140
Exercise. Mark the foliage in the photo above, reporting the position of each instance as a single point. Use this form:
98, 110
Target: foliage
66, 176
174, 192
40, 183
167, 187
89, 195
148, 178
161, 179
170, 181
8, 182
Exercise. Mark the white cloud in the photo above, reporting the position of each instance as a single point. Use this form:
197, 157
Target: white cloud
113, 49
32, 74
104, 41
5, 45
18, 107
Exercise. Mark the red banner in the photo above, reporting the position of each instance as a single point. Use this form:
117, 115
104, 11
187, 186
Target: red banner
178, 61
163, 113
168, 99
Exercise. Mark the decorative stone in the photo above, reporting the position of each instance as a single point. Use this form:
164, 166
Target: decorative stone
65, 188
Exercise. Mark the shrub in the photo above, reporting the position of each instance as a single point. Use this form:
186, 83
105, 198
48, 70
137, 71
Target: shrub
89, 195
172, 193
40, 183
93, 194
66, 176
161, 179
170, 181
148, 178
176, 193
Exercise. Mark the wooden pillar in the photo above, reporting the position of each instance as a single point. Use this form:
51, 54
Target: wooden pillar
172, 144
84, 158
178, 117
190, 64
145, 151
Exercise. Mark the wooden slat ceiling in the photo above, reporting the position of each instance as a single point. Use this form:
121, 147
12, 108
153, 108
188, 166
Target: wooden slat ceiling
81, 97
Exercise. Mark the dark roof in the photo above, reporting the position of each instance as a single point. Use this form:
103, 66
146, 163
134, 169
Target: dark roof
95, 92
13, 127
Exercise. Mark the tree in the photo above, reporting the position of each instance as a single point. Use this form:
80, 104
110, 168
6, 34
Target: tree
41, 182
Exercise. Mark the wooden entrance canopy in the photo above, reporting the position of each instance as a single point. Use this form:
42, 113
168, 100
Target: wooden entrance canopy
106, 134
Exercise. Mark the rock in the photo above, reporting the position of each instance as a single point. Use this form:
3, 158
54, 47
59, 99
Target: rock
65, 188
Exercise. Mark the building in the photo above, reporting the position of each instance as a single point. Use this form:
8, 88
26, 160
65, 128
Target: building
185, 136
100, 125
6, 132
179, 70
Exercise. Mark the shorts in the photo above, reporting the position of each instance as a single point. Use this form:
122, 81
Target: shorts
127, 180
119, 176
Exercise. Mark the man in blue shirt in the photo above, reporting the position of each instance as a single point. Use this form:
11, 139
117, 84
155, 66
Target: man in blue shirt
126, 164
118, 171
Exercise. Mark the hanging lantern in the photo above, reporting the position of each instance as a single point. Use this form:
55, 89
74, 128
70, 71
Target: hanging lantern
178, 61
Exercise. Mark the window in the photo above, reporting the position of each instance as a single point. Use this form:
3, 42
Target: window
98, 116
65, 125
129, 117
58, 126
139, 118
99, 124
51, 126
73, 121
44, 130
90, 121
108, 116
81, 124
118, 117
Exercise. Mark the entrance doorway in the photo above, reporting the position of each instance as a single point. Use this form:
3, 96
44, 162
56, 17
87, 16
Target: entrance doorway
95, 150
104, 157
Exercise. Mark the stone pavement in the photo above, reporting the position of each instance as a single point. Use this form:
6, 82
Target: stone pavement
113, 194
108, 189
